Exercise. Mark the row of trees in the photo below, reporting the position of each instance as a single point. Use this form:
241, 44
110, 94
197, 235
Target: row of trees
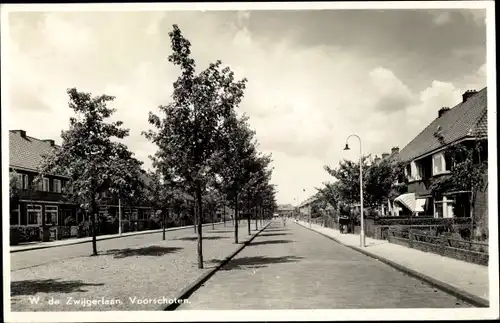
206, 151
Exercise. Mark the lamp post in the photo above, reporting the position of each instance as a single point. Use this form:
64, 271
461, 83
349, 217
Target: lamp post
362, 233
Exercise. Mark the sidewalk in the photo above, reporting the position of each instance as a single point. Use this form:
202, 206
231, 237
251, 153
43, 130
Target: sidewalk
71, 241
465, 278
142, 277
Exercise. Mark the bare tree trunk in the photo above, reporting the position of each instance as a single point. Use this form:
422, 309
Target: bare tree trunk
93, 225
164, 222
235, 219
213, 227
194, 217
224, 213
199, 211
256, 218
248, 222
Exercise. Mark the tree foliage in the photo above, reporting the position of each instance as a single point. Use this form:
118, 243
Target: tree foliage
381, 181
90, 157
191, 126
347, 176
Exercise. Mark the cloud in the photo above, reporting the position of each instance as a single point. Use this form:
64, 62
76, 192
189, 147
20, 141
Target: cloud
442, 18
391, 93
476, 16
303, 101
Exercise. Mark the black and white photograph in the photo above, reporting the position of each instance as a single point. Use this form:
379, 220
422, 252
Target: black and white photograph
249, 161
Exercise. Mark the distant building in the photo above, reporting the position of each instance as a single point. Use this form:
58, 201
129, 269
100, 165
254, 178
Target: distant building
285, 210
45, 204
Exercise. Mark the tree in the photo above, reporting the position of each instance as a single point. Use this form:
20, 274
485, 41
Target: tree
468, 173
89, 156
256, 176
381, 181
160, 195
188, 134
347, 175
237, 149
328, 195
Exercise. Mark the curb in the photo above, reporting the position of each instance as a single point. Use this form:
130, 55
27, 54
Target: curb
108, 238
191, 288
458, 293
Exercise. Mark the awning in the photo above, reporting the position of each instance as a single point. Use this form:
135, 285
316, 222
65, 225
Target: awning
420, 203
409, 201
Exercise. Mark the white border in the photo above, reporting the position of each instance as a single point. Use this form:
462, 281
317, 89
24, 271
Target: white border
262, 315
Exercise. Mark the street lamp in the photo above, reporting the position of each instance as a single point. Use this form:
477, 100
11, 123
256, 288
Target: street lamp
362, 233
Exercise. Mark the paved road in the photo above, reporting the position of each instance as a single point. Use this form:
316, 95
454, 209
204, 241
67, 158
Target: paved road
32, 258
294, 268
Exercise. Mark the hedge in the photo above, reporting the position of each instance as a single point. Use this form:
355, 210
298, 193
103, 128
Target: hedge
20, 233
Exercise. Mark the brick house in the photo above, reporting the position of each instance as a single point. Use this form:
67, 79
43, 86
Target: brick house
45, 205
424, 159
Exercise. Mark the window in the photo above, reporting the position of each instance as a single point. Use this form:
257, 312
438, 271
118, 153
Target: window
57, 186
408, 171
45, 184
39, 186
134, 214
441, 164
444, 208
51, 214
22, 180
415, 171
34, 214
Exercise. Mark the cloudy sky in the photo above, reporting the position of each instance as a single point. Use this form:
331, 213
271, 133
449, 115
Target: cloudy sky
314, 76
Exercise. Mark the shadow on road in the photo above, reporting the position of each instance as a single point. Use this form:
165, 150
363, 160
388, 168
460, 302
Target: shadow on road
273, 234
255, 262
204, 238
146, 251
31, 287
259, 243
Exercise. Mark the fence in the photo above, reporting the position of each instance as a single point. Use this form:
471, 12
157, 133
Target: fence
470, 251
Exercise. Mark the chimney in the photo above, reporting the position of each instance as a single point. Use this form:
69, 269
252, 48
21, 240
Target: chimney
22, 133
50, 141
385, 155
468, 94
442, 111
395, 150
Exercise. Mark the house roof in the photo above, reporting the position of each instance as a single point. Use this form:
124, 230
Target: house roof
27, 152
466, 120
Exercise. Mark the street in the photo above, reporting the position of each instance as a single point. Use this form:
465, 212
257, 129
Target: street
294, 268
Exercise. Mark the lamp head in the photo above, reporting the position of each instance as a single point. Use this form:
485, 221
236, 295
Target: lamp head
347, 147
